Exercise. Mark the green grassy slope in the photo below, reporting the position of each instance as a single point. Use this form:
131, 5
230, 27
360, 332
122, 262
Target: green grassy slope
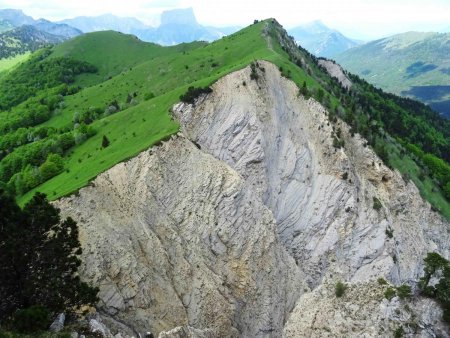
412, 64
409, 169
113, 52
9, 63
166, 72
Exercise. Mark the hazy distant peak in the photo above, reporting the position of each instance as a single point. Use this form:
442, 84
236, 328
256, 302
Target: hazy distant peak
316, 25
182, 16
321, 40
16, 17
11, 12
106, 22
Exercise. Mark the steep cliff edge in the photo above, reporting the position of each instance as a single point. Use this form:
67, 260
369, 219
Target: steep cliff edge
223, 228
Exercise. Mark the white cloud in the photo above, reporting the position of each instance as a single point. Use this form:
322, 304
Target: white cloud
358, 18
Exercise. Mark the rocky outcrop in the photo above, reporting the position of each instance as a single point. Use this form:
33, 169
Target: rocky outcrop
58, 324
363, 311
174, 237
336, 71
187, 332
220, 230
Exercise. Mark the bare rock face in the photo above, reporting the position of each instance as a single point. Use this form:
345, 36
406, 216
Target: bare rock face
323, 199
221, 230
173, 237
337, 72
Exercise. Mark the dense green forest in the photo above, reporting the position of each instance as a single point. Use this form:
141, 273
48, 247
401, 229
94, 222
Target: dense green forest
20, 40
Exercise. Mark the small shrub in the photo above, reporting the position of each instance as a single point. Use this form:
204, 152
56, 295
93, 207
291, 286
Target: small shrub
382, 281
149, 96
32, 319
377, 204
398, 333
390, 293
338, 143
404, 291
389, 232
193, 93
339, 289
304, 90
345, 176
319, 95
253, 74
105, 142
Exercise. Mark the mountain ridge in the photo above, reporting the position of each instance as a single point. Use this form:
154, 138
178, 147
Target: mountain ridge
227, 188
303, 68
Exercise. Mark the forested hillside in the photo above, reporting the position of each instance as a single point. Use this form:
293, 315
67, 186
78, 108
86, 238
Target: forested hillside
24, 39
412, 64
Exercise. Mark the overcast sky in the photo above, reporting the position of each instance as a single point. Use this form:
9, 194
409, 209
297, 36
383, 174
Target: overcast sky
362, 19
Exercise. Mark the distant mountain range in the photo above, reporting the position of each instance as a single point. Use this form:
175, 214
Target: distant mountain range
14, 18
180, 25
24, 39
20, 33
88, 24
412, 64
177, 26
321, 40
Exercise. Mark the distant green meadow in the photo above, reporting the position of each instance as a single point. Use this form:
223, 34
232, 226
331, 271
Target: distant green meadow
9, 63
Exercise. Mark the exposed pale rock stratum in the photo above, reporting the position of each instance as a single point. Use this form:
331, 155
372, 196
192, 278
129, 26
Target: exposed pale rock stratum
336, 71
251, 210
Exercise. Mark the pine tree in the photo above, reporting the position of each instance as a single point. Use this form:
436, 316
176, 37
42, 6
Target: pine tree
304, 90
39, 258
105, 142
